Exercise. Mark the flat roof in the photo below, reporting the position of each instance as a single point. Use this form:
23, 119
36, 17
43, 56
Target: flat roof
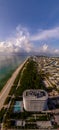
35, 94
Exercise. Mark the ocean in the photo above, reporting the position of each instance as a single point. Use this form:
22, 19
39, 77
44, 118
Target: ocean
8, 65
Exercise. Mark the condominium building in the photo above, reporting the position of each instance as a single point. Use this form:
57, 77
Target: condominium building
35, 100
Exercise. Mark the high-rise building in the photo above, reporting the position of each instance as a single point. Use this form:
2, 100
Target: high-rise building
35, 100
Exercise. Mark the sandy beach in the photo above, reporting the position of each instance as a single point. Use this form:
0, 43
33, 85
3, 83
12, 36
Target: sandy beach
6, 89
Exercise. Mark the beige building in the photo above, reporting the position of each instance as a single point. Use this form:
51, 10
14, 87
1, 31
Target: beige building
35, 100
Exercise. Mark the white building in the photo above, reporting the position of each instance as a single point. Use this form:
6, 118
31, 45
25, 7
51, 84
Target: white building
35, 100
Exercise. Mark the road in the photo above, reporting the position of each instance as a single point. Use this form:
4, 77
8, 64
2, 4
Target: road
6, 89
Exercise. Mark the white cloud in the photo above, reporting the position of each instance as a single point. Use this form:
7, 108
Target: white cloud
46, 34
20, 42
45, 47
47, 50
23, 42
56, 51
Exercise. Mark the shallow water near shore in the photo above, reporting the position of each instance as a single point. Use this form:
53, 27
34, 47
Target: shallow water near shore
8, 65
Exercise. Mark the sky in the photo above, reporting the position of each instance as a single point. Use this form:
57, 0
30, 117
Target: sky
29, 26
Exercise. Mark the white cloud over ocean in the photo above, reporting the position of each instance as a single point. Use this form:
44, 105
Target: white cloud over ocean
23, 41
18, 43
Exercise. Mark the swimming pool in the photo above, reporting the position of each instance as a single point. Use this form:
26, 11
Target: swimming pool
18, 106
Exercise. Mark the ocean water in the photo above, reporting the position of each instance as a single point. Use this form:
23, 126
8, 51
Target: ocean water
8, 65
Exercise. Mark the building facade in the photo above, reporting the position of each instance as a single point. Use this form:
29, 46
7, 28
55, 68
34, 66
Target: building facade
35, 100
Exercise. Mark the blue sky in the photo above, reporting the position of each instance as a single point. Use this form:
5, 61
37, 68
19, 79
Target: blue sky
29, 25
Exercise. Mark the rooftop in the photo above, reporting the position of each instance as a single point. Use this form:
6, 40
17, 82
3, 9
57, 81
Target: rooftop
35, 94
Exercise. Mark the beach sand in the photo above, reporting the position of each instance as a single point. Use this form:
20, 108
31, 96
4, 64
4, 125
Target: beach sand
6, 89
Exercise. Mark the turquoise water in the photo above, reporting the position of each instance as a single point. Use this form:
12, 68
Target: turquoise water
8, 64
17, 106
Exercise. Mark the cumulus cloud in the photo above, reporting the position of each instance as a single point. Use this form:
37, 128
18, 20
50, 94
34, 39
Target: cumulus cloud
19, 43
22, 41
43, 48
46, 34
46, 49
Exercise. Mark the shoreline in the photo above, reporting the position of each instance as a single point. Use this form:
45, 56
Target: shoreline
7, 87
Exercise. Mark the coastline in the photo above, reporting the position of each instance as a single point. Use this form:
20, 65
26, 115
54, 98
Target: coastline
8, 65
6, 89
